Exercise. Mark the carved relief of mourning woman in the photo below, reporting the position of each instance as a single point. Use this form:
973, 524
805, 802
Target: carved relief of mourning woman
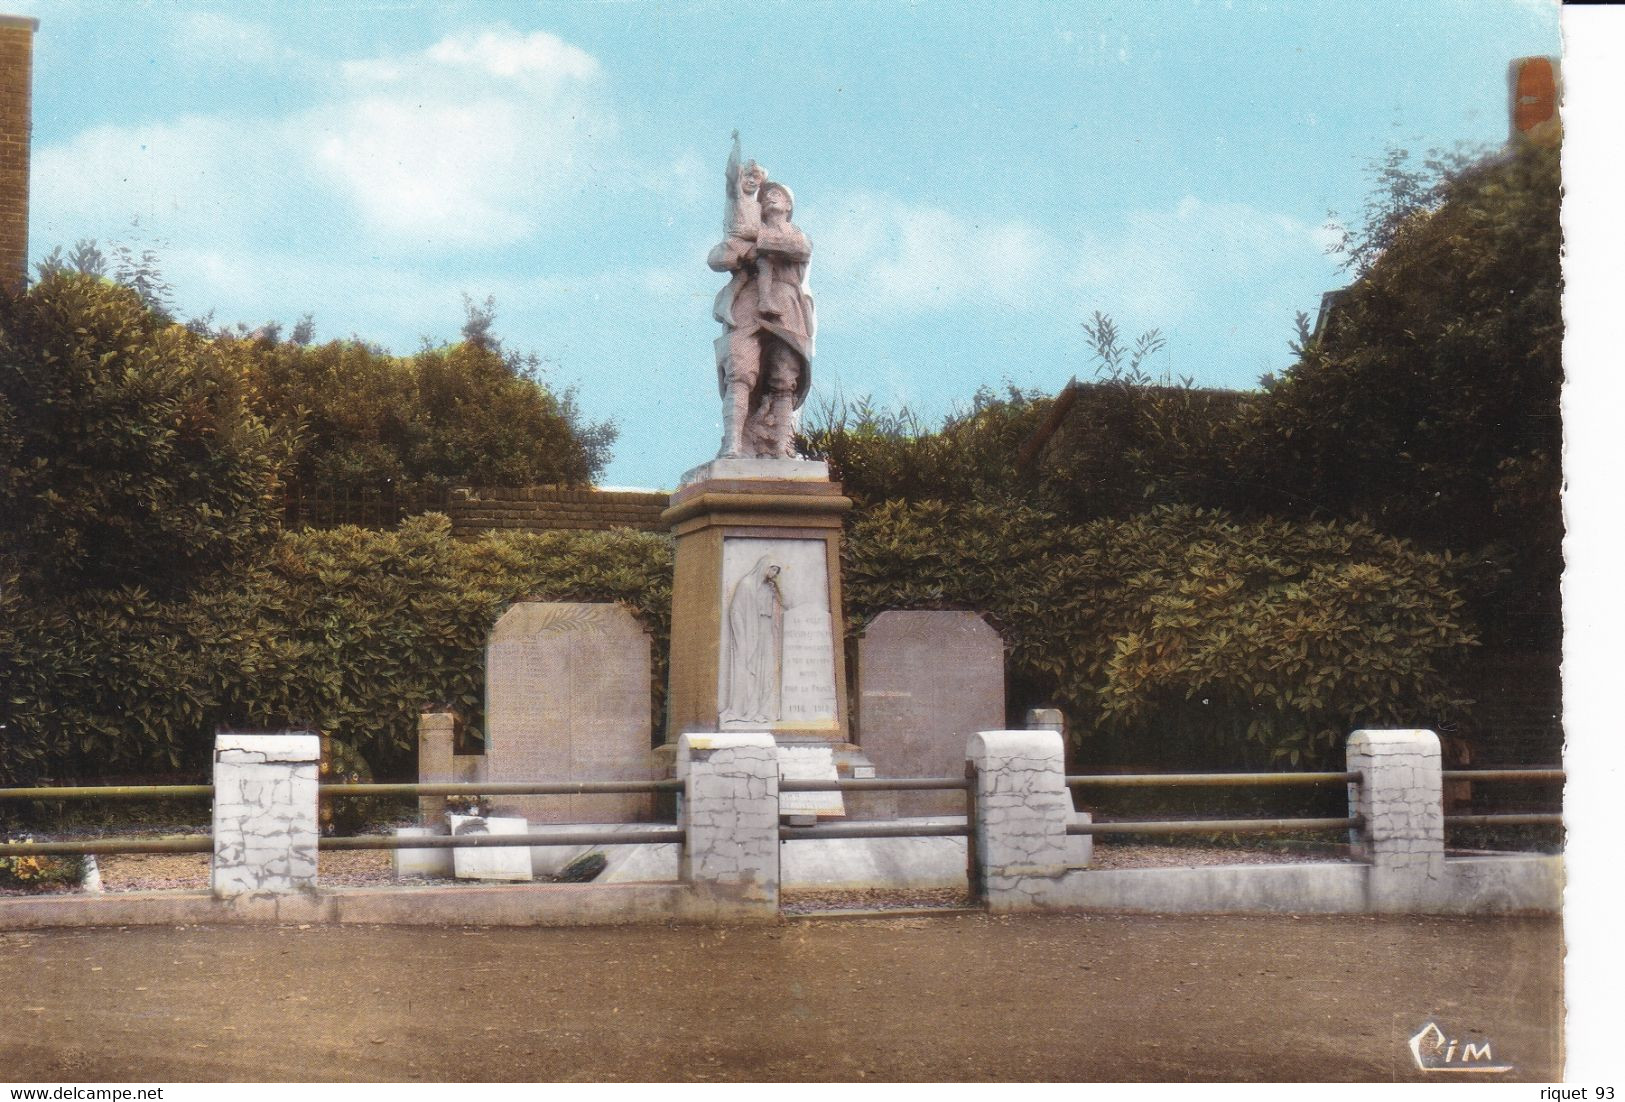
752, 645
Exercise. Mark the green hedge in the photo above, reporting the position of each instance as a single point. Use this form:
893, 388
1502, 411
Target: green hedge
1185, 634
351, 630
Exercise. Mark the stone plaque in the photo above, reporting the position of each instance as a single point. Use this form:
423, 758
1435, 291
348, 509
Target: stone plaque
567, 699
927, 681
777, 664
809, 763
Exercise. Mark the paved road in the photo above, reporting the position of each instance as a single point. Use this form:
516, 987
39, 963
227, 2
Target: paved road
1077, 997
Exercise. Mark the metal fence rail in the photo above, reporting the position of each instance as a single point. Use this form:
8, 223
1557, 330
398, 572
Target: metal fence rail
496, 841
109, 791
500, 788
1507, 819
204, 844
1217, 826
875, 830
1539, 774
1213, 780
874, 784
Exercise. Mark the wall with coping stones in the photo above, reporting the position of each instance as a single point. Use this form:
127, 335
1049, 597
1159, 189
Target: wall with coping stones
265, 826
553, 508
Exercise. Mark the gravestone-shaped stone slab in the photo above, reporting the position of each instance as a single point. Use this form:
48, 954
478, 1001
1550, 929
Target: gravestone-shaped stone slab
567, 699
927, 681
809, 763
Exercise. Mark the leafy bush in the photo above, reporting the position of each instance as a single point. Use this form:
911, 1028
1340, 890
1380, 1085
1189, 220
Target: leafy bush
464, 413
348, 630
129, 451
39, 873
882, 455
1209, 638
1429, 405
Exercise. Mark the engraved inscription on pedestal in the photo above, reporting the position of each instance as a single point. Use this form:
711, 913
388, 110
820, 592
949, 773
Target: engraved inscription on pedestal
777, 667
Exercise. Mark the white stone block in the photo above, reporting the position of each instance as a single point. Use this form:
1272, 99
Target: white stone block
795, 470
809, 763
265, 826
421, 862
490, 862
731, 816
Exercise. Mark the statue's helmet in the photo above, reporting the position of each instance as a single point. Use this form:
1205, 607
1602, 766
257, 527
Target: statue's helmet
774, 185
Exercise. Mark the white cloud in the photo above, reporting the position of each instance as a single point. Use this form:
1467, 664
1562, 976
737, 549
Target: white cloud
213, 38
1162, 263
477, 141
179, 176
470, 142
878, 254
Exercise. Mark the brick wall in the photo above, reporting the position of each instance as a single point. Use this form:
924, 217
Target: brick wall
551, 508
16, 79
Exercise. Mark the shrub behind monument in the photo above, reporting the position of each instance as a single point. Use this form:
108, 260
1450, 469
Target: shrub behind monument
350, 631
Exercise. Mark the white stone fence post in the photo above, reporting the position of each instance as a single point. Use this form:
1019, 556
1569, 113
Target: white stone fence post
1022, 809
265, 826
730, 814
1401, 797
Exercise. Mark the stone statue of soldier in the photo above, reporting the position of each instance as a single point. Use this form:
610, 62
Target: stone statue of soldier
764, 357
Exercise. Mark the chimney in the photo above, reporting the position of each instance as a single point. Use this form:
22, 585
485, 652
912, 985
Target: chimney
16, 124
1532, 88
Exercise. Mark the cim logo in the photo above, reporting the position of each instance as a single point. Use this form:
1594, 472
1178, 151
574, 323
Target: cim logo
1434, 1051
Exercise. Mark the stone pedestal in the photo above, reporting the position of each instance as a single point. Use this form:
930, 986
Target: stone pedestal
265, 828
1022, 811
1401, 798
757, 640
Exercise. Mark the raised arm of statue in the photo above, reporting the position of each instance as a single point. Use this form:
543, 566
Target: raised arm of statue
731, 172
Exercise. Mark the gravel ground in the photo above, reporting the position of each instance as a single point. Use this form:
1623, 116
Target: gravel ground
950, 997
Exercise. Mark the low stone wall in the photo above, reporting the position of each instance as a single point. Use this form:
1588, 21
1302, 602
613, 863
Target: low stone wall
1502, 884
732, 863
553, 508
1404, 868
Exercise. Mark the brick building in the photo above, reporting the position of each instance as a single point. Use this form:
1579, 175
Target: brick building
16, 125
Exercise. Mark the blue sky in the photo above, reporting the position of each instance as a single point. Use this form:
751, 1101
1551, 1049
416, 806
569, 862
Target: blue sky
976, 179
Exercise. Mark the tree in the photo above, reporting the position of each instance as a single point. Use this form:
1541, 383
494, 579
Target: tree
129, 453
1431, 404
881, 455
465, 413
